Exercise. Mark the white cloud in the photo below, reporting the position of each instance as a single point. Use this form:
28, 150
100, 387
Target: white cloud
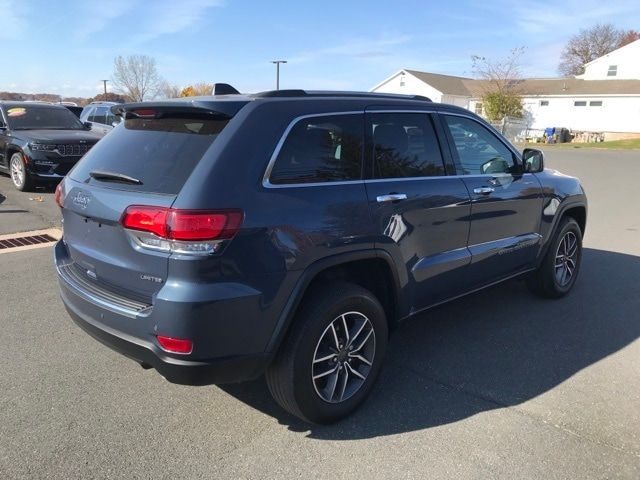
169, 17
99, 16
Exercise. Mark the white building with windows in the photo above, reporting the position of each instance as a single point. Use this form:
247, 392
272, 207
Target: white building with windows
605, 99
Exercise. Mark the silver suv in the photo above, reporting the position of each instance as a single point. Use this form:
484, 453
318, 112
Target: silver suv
99, 115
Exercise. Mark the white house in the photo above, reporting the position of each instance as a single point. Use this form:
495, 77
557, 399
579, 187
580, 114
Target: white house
605, 99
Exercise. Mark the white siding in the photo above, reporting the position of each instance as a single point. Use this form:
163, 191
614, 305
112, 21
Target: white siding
412, 86
617, 114
626, 59
456, 100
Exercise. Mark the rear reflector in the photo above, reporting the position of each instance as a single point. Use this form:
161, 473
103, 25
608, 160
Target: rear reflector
175, 345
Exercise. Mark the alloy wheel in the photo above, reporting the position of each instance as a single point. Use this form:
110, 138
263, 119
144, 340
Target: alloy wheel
566, 259
17, 171
343, 357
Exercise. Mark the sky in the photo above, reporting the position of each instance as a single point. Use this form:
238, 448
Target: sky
68, 46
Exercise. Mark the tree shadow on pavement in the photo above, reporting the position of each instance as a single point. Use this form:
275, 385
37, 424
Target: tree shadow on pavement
494, 349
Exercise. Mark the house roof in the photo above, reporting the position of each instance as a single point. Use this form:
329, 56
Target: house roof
469, 87
447, 84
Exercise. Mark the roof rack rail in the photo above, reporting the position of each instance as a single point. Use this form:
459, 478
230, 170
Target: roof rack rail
328, 93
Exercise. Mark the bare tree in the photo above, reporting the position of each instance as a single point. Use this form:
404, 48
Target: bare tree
136, 77
170, 90
502, 75
500, 96
587, 45
628, 37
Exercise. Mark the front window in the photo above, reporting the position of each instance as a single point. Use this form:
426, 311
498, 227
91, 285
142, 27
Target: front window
32, 117
479, 151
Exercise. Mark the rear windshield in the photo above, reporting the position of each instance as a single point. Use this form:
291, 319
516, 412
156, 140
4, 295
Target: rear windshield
40, 117
159, 152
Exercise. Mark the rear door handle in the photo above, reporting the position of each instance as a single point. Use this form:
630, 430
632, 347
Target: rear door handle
484, 190
391, 197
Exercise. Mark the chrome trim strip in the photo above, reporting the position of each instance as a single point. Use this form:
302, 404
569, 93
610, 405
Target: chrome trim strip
267, 174
267, 184
98, 301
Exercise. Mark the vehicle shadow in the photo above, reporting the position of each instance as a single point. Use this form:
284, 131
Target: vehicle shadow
493, 349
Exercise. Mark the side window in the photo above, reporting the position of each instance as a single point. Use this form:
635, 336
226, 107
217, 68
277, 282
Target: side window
99, 115
404, 145
321, 149
479, 151
86, 113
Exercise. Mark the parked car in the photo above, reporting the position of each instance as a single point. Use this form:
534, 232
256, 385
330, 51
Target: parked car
287, 233
40, 142
99, 116
77, 111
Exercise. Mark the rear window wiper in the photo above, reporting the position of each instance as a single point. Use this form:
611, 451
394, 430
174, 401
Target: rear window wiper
114, 176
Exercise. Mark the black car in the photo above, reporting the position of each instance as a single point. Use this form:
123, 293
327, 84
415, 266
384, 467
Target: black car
40, 142
220, 238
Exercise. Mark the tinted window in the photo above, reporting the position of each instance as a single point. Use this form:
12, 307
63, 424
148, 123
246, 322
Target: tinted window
479, 151
321, 149
27, 117
405, 145
161, 152
99, 115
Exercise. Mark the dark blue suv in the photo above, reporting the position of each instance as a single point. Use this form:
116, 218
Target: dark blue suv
286, 233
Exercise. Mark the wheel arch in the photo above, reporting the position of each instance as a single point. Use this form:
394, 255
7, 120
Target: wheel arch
372, 269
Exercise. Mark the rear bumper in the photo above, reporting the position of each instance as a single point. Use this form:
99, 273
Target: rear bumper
134, 337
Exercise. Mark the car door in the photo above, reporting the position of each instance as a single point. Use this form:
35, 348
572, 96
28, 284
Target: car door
506, 204
420, 214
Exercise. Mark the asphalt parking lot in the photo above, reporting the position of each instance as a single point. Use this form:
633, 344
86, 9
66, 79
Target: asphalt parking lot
499, 384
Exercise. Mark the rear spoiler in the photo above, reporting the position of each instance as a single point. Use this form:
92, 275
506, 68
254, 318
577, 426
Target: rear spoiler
198, 105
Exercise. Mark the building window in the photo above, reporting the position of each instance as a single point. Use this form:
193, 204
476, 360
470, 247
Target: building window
613, 71
544, 103
595, 103
402, 79
478, 108
579, 104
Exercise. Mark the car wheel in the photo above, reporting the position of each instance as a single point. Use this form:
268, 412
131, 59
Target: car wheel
559, 269
332, 356
19, 176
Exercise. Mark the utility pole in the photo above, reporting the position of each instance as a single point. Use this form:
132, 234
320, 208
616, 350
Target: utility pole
105, 88
278, 62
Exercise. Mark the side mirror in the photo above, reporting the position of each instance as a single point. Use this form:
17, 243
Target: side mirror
532, 160
87, 125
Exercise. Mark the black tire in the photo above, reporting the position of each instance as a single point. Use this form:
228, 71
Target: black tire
21, 180
290, 376
547, 281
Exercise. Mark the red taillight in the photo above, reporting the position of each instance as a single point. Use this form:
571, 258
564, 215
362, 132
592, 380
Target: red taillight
175, 345
59, 195
146, 219
196, 225
174, 224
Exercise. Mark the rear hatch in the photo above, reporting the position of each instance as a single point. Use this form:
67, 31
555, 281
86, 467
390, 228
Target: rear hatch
145, 161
